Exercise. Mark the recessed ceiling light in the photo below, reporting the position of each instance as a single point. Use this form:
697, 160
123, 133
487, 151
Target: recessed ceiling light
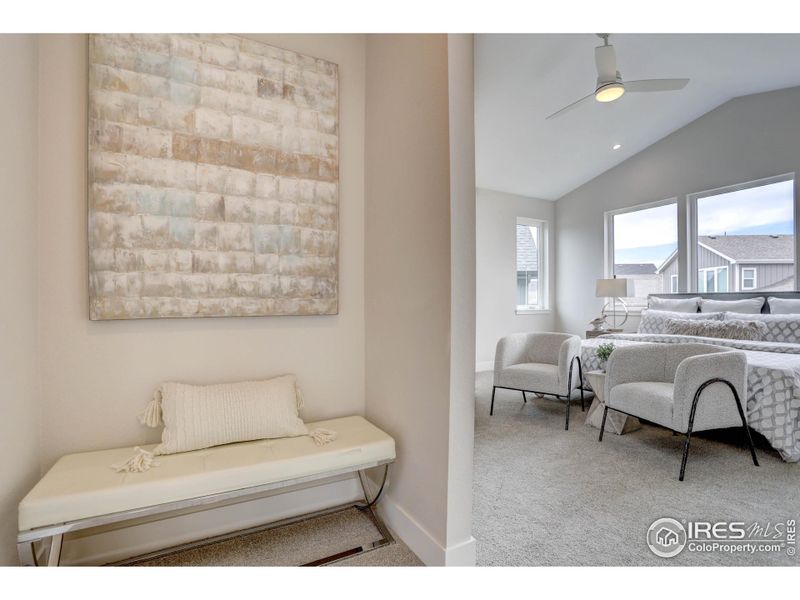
616, 146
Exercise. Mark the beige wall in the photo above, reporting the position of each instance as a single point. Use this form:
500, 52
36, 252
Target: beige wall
496, 291
97, 376
408, 277
20, 410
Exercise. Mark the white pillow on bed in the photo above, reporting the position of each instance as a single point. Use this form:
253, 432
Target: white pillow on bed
681, 305
783, 306
655, 321
749, 306
780, 328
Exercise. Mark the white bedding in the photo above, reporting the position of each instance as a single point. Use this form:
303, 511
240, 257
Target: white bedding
773, 381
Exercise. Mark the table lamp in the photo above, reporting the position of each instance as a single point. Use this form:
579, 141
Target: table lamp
616, 289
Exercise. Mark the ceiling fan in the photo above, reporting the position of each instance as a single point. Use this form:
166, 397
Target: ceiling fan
610, 85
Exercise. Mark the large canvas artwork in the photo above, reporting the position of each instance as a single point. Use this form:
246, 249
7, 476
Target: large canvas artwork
213, 178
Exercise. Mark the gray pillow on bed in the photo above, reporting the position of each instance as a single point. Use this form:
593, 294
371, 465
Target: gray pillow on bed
753, 331
780, 328
784, 306
681, 305
655, 321
746, 306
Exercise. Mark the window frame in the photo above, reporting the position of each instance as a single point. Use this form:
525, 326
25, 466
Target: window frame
609, 238
754, 278
692, 241
716, 270
674, 284
542, 265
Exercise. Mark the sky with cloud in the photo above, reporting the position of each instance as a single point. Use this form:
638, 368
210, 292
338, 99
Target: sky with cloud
651, 235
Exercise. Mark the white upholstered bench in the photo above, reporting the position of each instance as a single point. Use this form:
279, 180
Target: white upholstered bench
82, 491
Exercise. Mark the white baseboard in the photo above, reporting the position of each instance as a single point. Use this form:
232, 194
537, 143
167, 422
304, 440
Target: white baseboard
113, 545
421, 542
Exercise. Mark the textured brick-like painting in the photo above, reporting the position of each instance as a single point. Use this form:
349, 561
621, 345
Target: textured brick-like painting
213, 178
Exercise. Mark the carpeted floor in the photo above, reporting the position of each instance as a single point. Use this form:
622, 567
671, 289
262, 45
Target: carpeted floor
545, 496
296, 544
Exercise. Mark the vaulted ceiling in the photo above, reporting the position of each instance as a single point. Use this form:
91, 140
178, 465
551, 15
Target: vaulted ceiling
520, 79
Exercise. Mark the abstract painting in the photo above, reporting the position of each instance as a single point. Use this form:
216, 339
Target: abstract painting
213, 178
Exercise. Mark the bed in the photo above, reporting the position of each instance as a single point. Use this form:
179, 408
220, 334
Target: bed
773, 397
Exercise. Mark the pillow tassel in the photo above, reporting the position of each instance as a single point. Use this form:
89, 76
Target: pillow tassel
138, 463
322, 436
151, 417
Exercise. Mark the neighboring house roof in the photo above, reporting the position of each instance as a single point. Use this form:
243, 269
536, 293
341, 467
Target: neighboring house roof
527, 253
635, 269
745, 248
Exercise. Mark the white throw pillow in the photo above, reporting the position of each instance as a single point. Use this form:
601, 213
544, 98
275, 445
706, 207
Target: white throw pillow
783, 306
780, 328
202, 416
655, 321
682, 305
748, 306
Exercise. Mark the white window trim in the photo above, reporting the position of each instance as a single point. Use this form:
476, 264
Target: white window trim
609, 240
692, 221
542, 265
716, 271
754, 278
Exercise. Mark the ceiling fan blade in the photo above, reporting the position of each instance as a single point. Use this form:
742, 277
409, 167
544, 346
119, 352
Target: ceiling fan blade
655, 85
569, 107
606, 60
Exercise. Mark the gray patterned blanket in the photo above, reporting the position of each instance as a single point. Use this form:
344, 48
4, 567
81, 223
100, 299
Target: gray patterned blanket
773, 381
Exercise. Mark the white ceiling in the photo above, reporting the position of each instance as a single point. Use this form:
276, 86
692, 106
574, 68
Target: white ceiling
520, 79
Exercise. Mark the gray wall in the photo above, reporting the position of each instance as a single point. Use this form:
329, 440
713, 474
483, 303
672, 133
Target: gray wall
495, 240
745, 139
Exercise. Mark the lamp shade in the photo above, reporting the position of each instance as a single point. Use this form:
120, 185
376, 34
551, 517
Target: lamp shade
614, 288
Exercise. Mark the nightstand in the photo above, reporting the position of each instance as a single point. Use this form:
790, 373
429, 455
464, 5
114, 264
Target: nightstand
616, 422
593, 334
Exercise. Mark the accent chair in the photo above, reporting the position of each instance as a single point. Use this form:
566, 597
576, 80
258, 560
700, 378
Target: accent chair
539, 363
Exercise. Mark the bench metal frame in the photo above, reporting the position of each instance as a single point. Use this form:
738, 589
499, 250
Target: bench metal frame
27, 540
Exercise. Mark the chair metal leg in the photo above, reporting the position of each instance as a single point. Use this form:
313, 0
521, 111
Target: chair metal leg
580, 381
603, 424
582, 403
686, 450
746, 427
491, 408
566, 425
524, 399
696, 399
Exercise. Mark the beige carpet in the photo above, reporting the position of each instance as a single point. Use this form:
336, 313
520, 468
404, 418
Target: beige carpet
297, 544
545, 496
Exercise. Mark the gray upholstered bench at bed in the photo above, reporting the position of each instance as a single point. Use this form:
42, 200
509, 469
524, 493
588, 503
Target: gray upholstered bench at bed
81, 491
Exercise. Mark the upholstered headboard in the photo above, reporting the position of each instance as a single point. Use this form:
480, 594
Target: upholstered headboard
732, 296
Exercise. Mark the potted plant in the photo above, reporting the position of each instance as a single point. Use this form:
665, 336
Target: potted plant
603, 352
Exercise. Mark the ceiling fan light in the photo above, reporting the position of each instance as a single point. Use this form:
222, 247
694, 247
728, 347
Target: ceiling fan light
609, 92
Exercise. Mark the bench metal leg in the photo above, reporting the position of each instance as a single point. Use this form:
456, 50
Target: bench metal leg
27, 554
386, 536
54, 556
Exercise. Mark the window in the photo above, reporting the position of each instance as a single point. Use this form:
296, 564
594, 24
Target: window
713, 279
673, 284
642, 246
744, 237
749, 278
531, 265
